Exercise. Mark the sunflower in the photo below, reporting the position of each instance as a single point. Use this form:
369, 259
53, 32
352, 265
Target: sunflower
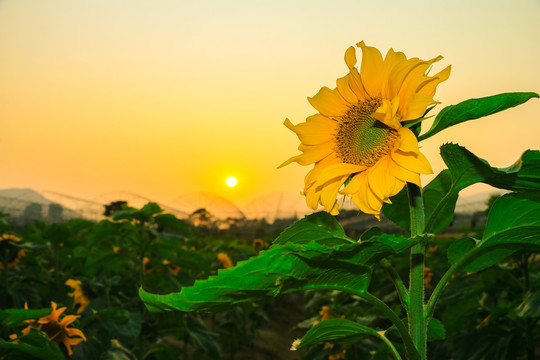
78, 294
225, 260
57, 330
358, 142
10, 252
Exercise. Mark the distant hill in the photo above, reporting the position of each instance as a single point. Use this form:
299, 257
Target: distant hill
15, 201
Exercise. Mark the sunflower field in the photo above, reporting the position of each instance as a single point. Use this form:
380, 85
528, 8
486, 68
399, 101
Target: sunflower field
90, 274
143, 284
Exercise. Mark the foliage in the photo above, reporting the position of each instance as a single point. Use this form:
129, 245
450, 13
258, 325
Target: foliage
112, 259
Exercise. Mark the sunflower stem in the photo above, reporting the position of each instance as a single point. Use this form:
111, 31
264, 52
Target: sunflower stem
417, 321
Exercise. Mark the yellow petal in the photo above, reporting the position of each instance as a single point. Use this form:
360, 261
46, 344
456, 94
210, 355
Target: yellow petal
362, 205
376, 178
365, 199
311, 154
337, 170
345, 90
414, 79
391, 60
355, 83
329, 102
429, 88
75, 332
350, 57
313, 174
373, 200
335, 210
381, 180
386, 113
408, 141
353, 186
371, 71
316, 130
329, 192
68, 319
403, 174
312, 197
417, 106
413, 162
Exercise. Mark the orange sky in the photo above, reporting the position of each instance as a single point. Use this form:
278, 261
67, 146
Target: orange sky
168, 97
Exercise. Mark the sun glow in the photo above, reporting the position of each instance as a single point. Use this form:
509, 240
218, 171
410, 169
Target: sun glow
231, 181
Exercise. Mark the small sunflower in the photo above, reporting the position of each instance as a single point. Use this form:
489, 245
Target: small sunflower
10, 252
173, 268
225, 260
358, 139
78, 295
57, 330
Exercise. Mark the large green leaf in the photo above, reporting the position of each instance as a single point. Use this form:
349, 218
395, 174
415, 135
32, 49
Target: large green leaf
313, 227
464, 169
343, 331
329, 262
281, 268
337, 331
513, 224
475, 108
467, 169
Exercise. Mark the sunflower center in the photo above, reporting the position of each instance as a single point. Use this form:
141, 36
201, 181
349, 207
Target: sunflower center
55, 331
362, 139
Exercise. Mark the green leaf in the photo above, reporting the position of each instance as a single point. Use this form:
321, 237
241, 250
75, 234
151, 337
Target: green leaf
13, 317
320, 225
465, 169
171, 222
513, 224
330, 260
36, 344
459, 248
475, 108
281, 268
124, 331
337, 331
440, 200
398, 211
435, 330
514, 219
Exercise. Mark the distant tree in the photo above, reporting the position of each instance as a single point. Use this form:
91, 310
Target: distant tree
202, 218
31, 213
55, 213
114, 206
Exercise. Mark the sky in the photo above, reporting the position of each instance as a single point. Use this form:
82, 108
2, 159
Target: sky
167, 97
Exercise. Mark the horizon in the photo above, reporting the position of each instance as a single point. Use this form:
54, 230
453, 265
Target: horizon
185, 205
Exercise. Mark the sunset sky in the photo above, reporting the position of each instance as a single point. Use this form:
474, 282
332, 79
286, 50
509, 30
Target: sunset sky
168, 97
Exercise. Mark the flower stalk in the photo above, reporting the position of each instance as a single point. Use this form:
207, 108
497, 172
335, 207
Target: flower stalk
417, 321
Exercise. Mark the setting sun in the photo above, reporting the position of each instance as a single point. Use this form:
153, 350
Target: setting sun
231, 181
